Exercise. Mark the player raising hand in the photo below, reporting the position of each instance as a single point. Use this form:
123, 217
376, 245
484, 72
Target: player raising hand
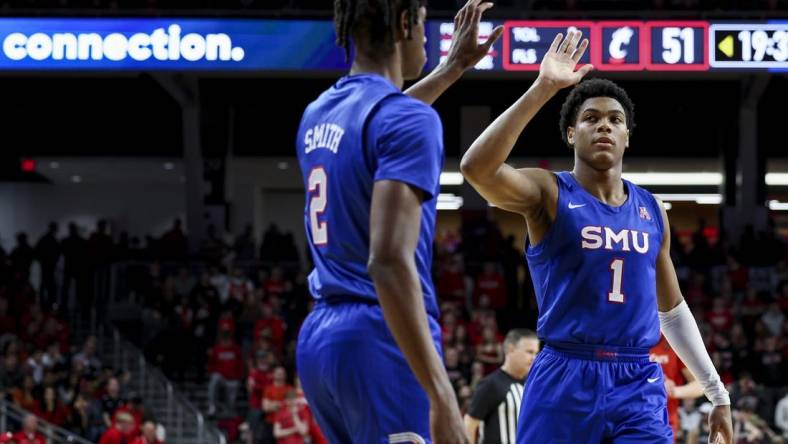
598, 250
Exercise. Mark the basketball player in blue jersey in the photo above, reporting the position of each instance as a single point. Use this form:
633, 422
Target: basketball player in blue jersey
369, 353
598, 250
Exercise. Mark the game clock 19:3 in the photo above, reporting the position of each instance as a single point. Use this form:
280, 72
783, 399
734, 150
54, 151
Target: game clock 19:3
738, 45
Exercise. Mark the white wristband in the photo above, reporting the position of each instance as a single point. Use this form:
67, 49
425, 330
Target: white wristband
679, 327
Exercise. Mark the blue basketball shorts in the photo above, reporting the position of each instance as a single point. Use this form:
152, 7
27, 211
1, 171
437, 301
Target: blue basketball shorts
581, 394
356, 380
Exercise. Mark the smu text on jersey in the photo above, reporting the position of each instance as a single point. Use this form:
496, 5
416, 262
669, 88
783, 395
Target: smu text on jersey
613, 240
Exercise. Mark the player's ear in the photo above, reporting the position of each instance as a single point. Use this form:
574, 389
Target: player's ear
402, 25
626, 144
570, 136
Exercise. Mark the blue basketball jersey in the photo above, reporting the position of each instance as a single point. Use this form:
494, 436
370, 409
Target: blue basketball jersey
594, 272
359, 131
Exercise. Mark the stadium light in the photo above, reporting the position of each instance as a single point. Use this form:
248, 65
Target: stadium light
699, 198
692, 178
448, 201
451, 178
776, 205
777, 179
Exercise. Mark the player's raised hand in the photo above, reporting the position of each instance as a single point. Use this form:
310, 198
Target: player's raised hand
720, 425
465, 50
446, 426
558, 65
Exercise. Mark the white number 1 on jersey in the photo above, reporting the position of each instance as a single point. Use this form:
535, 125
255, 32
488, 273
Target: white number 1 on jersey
615, 295
317, 205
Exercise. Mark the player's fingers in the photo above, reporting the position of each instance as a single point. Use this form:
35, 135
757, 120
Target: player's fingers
556, 43
567, 41
573, 42
461, 14
476, 15
473, 16
480, 10
585, 69
580, 50
496, 34
470, 8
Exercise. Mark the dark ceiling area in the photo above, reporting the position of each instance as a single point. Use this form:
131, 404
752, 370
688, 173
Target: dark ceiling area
135, 116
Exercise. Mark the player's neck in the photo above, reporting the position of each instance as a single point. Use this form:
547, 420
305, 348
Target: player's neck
389, 68
604, 185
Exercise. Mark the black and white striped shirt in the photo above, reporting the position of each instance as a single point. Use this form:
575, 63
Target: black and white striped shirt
496, 403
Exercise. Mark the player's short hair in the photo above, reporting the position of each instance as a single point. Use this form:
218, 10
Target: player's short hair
589, 89
372, 20
514, 336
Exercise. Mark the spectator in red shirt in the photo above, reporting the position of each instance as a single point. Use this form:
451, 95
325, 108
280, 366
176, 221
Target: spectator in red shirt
53, 411
227, 322
451, 282
8, 438
239, 287
492, 284
226, 368
675, 374
276, 285
29, 434
24, 396
695, 294
448, 325
720, 317
291, 421
271, 327
134, 408
490, 350
259, 378
738, 274
274, 394
148, 434
122, 430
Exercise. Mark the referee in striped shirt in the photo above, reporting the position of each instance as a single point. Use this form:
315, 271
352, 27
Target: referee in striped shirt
495, 405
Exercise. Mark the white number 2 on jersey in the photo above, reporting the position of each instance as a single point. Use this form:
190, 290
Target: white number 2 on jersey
318, 191
615, 295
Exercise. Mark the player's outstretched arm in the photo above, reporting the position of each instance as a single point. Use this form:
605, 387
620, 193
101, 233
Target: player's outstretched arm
680, 329
395, 223
464, 53
484, 163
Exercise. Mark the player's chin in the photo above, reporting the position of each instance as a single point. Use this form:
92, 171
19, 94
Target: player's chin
604, 160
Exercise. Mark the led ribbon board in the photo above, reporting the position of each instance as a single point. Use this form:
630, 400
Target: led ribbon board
227, 45
169, 44
632, 45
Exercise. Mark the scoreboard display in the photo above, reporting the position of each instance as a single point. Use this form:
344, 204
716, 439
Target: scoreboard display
632, 45
298, 46
749, 45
